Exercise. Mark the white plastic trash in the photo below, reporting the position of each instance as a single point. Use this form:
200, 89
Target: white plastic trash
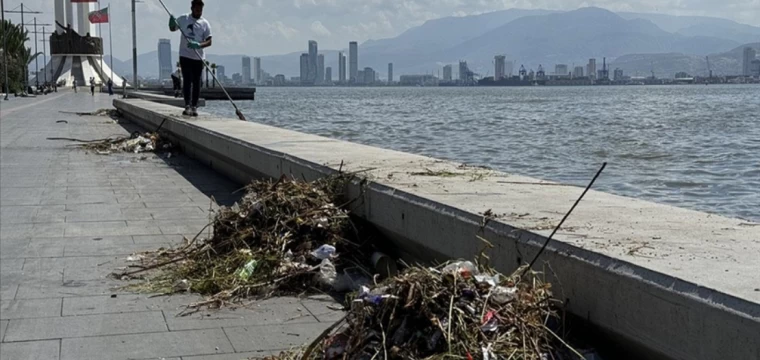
324, 252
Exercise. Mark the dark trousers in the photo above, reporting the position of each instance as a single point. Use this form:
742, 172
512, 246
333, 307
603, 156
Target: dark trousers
192, 71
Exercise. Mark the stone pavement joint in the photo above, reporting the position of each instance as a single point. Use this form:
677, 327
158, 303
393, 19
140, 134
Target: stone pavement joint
69, 218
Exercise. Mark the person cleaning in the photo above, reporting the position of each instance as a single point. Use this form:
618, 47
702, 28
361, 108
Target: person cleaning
196, 36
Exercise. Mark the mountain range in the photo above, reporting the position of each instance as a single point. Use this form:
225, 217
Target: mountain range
635, 42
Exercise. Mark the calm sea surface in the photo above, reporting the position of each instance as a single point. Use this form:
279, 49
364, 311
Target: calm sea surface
692, 146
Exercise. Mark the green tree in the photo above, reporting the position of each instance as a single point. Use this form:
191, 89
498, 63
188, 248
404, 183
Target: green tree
12, 41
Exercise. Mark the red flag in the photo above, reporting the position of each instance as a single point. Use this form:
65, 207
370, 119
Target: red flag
100, 16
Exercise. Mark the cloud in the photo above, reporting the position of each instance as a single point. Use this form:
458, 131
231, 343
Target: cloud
318, 29
263, 27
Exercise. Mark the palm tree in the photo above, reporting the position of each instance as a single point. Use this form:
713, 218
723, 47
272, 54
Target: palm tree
213, 71
19, 56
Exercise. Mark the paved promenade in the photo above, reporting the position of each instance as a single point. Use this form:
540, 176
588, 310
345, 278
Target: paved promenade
69, 218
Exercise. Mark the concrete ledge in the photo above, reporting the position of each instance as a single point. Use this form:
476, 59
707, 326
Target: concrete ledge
679, 283
161, 99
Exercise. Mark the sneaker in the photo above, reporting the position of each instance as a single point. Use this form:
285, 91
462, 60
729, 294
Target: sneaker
187, 111
194, 111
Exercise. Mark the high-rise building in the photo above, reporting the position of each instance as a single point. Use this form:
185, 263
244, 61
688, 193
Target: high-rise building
341, 68
257, 78
279, 80
464, 71
165, 65
755, 68
390, 73
304, 68
313, 52
749, 56
591, 69
353, 53
246, 70
320, 69
447, 73
220, 73
369, 75
578, 72
560, 70
360, 77
328, 75
618, 74
500, 67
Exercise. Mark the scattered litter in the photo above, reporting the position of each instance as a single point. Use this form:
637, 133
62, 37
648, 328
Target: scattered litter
324, 252
181, 285
136, 143
247, 270
444, 313
283, 237
61, 122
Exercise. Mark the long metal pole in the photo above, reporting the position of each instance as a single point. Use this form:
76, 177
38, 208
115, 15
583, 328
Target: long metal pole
134, 47
44, 54
110, 40
36, 63
5, 49
26, 66
100, 34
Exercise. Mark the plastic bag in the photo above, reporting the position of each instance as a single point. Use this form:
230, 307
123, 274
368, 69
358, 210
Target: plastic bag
465, 269
324, 252
247, 270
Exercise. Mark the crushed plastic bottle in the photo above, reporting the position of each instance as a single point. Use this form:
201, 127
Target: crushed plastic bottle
247, 270
490, 280
502, 295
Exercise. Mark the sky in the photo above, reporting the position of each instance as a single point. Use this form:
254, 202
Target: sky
269, 27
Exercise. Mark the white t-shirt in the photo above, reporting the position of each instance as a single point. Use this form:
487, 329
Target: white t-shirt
196, 29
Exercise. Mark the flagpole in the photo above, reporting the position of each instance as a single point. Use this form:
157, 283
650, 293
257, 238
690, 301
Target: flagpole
100, 33
110, 40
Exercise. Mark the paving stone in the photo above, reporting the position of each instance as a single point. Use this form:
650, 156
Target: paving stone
31, 251
147, 346
20, 309
68, 288
3, 326
158, 239
11, 264
32, 350
125, 303
84, 326
323, 308
284, 311
96, 249
273, 337
108, 228
8, 291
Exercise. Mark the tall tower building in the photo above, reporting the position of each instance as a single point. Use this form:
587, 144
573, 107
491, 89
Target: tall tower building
447, 73
328, 75
353, 53
304, 68
500, 67
313, 52
320, 69
578, 72
390, 73
83, 16
257, 78
341, 68
246, 70
560, 70
463, 71
591, 69
165, 65
748, 56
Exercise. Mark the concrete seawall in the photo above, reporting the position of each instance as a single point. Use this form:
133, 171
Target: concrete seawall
681, 284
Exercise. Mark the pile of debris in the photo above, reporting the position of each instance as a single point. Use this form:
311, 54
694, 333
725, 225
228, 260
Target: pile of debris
456, 310
283, 237
135, 143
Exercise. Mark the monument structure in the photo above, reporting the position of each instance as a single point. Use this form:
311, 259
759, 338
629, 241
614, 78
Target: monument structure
76, 55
